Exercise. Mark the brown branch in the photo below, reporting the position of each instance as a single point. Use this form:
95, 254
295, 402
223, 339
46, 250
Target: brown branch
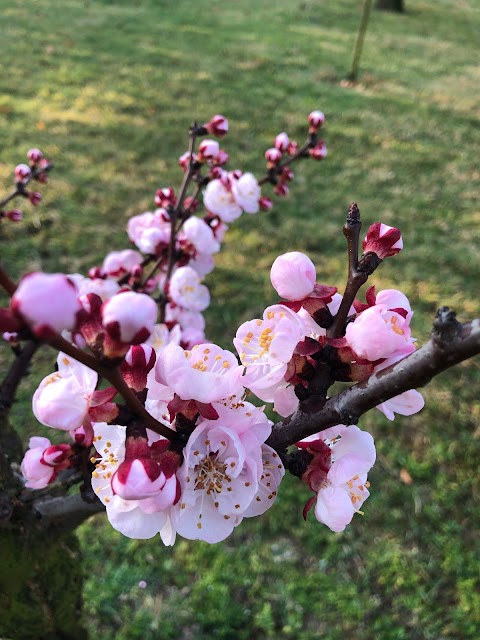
300, 153
356, 278
7, 283
15, 374
65, 512
116, 379
451, 343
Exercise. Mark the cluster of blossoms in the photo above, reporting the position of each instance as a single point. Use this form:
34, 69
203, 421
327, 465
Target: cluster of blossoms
186, 452
36, 169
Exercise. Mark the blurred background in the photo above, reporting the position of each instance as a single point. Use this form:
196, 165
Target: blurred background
107, 89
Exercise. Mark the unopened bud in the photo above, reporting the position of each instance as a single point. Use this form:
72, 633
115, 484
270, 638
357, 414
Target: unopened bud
208, 149
382, 240
165, 197
281, 190
218, 126
273, 157
292, 147
265, 203
222, 158
315, 120
22, 172
319, 151
282, 141
35, 197
184, 160
15, 215
34, 155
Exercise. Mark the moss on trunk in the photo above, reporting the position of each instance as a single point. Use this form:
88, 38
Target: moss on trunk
40, 586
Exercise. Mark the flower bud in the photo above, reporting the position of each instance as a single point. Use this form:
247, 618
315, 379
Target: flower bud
293, 275
208, 149
57, 456
129, 317
165, 197
15, 215
35, 197
42, 177
292, 147
47, 302
34, 155
282, 141
281, 190
319, 151
221, 158
286, 175
140, 359
22, 172
273, 157
218, 126
265, 203
37, 474
184, 160
383, 240
316, 120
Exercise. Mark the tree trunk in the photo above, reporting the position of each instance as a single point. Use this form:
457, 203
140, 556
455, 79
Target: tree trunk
391, 5
40, 586
40, 567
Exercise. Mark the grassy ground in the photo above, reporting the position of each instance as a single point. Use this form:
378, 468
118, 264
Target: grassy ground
108, 89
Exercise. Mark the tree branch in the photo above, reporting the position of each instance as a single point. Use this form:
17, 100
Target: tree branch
451, 343
65, 512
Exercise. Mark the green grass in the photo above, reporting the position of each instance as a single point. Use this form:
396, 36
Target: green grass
107, 90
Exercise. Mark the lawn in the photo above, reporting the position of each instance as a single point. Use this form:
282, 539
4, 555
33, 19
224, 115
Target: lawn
108, 89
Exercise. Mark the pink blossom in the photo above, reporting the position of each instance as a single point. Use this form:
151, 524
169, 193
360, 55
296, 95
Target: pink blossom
383, 240
272, 474
221, 202
150, 230
200, 234
105, 288
203, 263
47, 302
206, 373
117, 263
246, 192
293, 275
266, 346
126, 516
407, 403
37, 473
219, 477
187, 291
63, 399
379, 333
35, 197
338, 473
129, 317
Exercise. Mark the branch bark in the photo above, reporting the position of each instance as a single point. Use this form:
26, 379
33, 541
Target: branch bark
451, 343
65, 512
